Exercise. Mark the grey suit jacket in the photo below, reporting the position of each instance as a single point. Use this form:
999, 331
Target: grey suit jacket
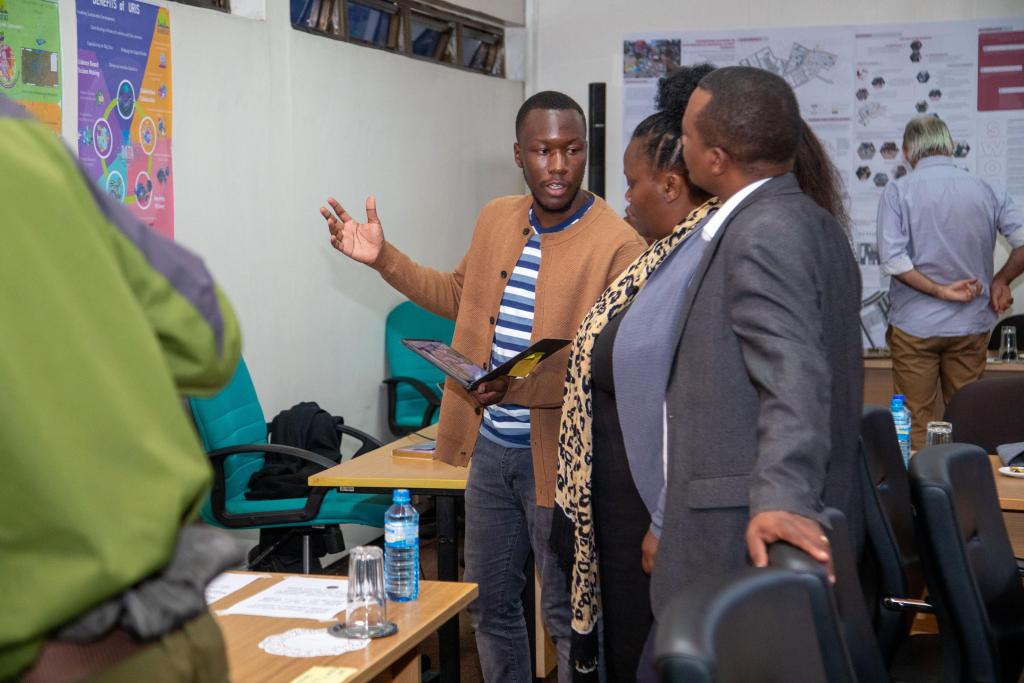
765, 394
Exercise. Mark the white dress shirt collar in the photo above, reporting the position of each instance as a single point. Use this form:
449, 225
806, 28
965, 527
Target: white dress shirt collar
716, 221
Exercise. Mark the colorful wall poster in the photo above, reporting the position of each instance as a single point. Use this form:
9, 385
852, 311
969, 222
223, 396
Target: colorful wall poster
858, 86
124, 105
30, 57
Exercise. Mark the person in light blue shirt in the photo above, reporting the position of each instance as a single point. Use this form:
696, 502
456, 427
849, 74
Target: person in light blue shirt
936, 235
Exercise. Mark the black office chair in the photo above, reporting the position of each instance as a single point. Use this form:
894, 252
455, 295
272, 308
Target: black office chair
969, 564
1016, 321
854, 620
757, 625
987, 412
890, 569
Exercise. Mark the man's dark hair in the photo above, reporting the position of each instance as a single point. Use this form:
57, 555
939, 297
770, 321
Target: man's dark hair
551, 100
753, 115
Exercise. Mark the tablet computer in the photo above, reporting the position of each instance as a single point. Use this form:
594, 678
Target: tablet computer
468, 374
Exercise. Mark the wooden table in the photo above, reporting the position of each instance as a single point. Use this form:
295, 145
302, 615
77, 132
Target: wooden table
1011, 500
388, 659
380, 472
878, 385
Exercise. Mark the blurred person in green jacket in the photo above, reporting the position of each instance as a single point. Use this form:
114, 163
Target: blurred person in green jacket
103, 324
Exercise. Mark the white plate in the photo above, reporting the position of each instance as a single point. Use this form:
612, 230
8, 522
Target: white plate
1010, 473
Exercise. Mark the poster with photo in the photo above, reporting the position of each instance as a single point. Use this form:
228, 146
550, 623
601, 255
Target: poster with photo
30, 57
858, 86
124, 105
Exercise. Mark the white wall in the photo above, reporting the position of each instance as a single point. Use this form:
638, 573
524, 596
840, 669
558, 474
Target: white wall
268, 122
509, 11
571, 47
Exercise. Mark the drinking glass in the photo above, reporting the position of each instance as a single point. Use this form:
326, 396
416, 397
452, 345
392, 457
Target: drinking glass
1008, 342
939, 433
366, 615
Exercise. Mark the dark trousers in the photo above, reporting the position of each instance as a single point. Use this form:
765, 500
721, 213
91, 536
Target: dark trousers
503, 524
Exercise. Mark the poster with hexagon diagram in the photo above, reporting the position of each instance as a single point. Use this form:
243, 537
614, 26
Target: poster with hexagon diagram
124, 105
30, 57
858, 86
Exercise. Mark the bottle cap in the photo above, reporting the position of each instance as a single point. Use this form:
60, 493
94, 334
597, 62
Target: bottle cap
400, 496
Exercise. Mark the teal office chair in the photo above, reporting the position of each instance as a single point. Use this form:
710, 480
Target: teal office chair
414, 401
233, 431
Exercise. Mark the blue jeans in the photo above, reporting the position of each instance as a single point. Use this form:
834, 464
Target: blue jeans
503, 523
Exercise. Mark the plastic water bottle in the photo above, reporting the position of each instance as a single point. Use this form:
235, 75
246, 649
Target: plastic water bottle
901, 419
402, 549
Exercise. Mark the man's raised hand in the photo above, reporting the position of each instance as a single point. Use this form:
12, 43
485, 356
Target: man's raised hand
361, 242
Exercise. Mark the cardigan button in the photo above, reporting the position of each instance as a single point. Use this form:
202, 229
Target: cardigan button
492, 319
477, 411
504, 275
526, 231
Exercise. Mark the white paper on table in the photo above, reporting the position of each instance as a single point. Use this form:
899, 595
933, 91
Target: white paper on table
296, 597
227, 583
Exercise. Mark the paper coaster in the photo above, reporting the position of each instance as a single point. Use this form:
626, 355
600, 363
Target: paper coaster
310, 642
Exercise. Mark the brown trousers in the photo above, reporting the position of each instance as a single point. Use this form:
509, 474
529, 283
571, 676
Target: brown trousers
921, 365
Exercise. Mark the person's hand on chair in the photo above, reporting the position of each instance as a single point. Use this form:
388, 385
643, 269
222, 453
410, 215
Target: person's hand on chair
770, 526
361, 242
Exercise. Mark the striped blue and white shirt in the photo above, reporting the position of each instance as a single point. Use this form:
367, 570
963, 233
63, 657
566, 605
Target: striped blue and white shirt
508, 424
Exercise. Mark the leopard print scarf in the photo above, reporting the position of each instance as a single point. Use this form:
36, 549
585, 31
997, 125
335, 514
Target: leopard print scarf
573, 487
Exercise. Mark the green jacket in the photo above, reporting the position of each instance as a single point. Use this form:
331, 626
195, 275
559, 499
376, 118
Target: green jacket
103, 323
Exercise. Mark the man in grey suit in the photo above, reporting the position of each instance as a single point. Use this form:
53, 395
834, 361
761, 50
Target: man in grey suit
765, 395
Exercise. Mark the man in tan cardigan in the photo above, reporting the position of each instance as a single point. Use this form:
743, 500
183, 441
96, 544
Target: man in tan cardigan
535, 266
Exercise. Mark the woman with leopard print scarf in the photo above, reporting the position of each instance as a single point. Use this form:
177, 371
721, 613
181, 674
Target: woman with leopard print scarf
606, 495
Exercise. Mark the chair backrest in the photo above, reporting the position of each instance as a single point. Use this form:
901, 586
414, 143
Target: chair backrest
854, 620
407, 320
232, 417
1016, 321
757, 625
986, 413
969, 562
891, 565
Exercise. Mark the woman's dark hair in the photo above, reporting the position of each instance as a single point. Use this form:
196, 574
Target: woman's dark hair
663, 129
818, 176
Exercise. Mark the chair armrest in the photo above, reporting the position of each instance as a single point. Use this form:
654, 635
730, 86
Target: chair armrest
433, 402
907, 605
1020, 566
369, 443
260, 519
419, 386
300, 453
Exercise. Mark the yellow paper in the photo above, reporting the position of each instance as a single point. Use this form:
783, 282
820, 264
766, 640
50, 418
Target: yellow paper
526, 365
326, 674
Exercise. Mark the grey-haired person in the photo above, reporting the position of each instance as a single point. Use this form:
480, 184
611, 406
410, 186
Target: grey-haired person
937, 230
